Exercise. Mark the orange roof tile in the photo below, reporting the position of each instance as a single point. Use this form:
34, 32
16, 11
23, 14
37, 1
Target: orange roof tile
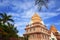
53, 29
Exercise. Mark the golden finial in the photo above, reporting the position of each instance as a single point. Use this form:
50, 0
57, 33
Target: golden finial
36, 18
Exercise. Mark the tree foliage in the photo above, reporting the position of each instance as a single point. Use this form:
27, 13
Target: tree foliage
7, 29
4, 18
41, 3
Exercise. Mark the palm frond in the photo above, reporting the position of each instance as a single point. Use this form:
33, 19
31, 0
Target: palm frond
9, 16
11, 20
41, 3
1, 14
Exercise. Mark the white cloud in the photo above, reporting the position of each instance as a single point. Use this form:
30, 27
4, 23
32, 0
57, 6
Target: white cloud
44, 15
49, 24
58, 23
20, 23
14, 14
51, 4
53, 23
28, 14
20, 5
58, 9
4, 3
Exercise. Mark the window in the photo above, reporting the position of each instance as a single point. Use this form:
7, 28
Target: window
34, 29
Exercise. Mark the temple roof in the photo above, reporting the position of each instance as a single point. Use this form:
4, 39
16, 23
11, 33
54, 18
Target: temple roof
36, 18
53, 29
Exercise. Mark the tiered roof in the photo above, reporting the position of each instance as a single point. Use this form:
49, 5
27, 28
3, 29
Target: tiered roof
36, 18
53, 29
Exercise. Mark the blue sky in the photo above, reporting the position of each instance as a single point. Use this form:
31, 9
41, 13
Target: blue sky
22, 11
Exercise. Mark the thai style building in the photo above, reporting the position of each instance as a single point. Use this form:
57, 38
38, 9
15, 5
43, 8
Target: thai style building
36, 29
55, 35
52, 31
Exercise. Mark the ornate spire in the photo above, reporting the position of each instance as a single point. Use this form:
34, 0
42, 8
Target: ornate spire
36, 18
53, 29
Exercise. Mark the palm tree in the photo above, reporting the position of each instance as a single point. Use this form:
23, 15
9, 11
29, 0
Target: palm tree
8, 30
3, 32
12, 30
41, 3
5, 18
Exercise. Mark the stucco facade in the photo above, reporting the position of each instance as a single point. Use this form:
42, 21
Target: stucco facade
36, 29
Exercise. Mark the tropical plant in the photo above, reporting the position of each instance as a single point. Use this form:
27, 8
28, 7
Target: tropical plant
12, 30
4, 18
41, 3
7, 30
